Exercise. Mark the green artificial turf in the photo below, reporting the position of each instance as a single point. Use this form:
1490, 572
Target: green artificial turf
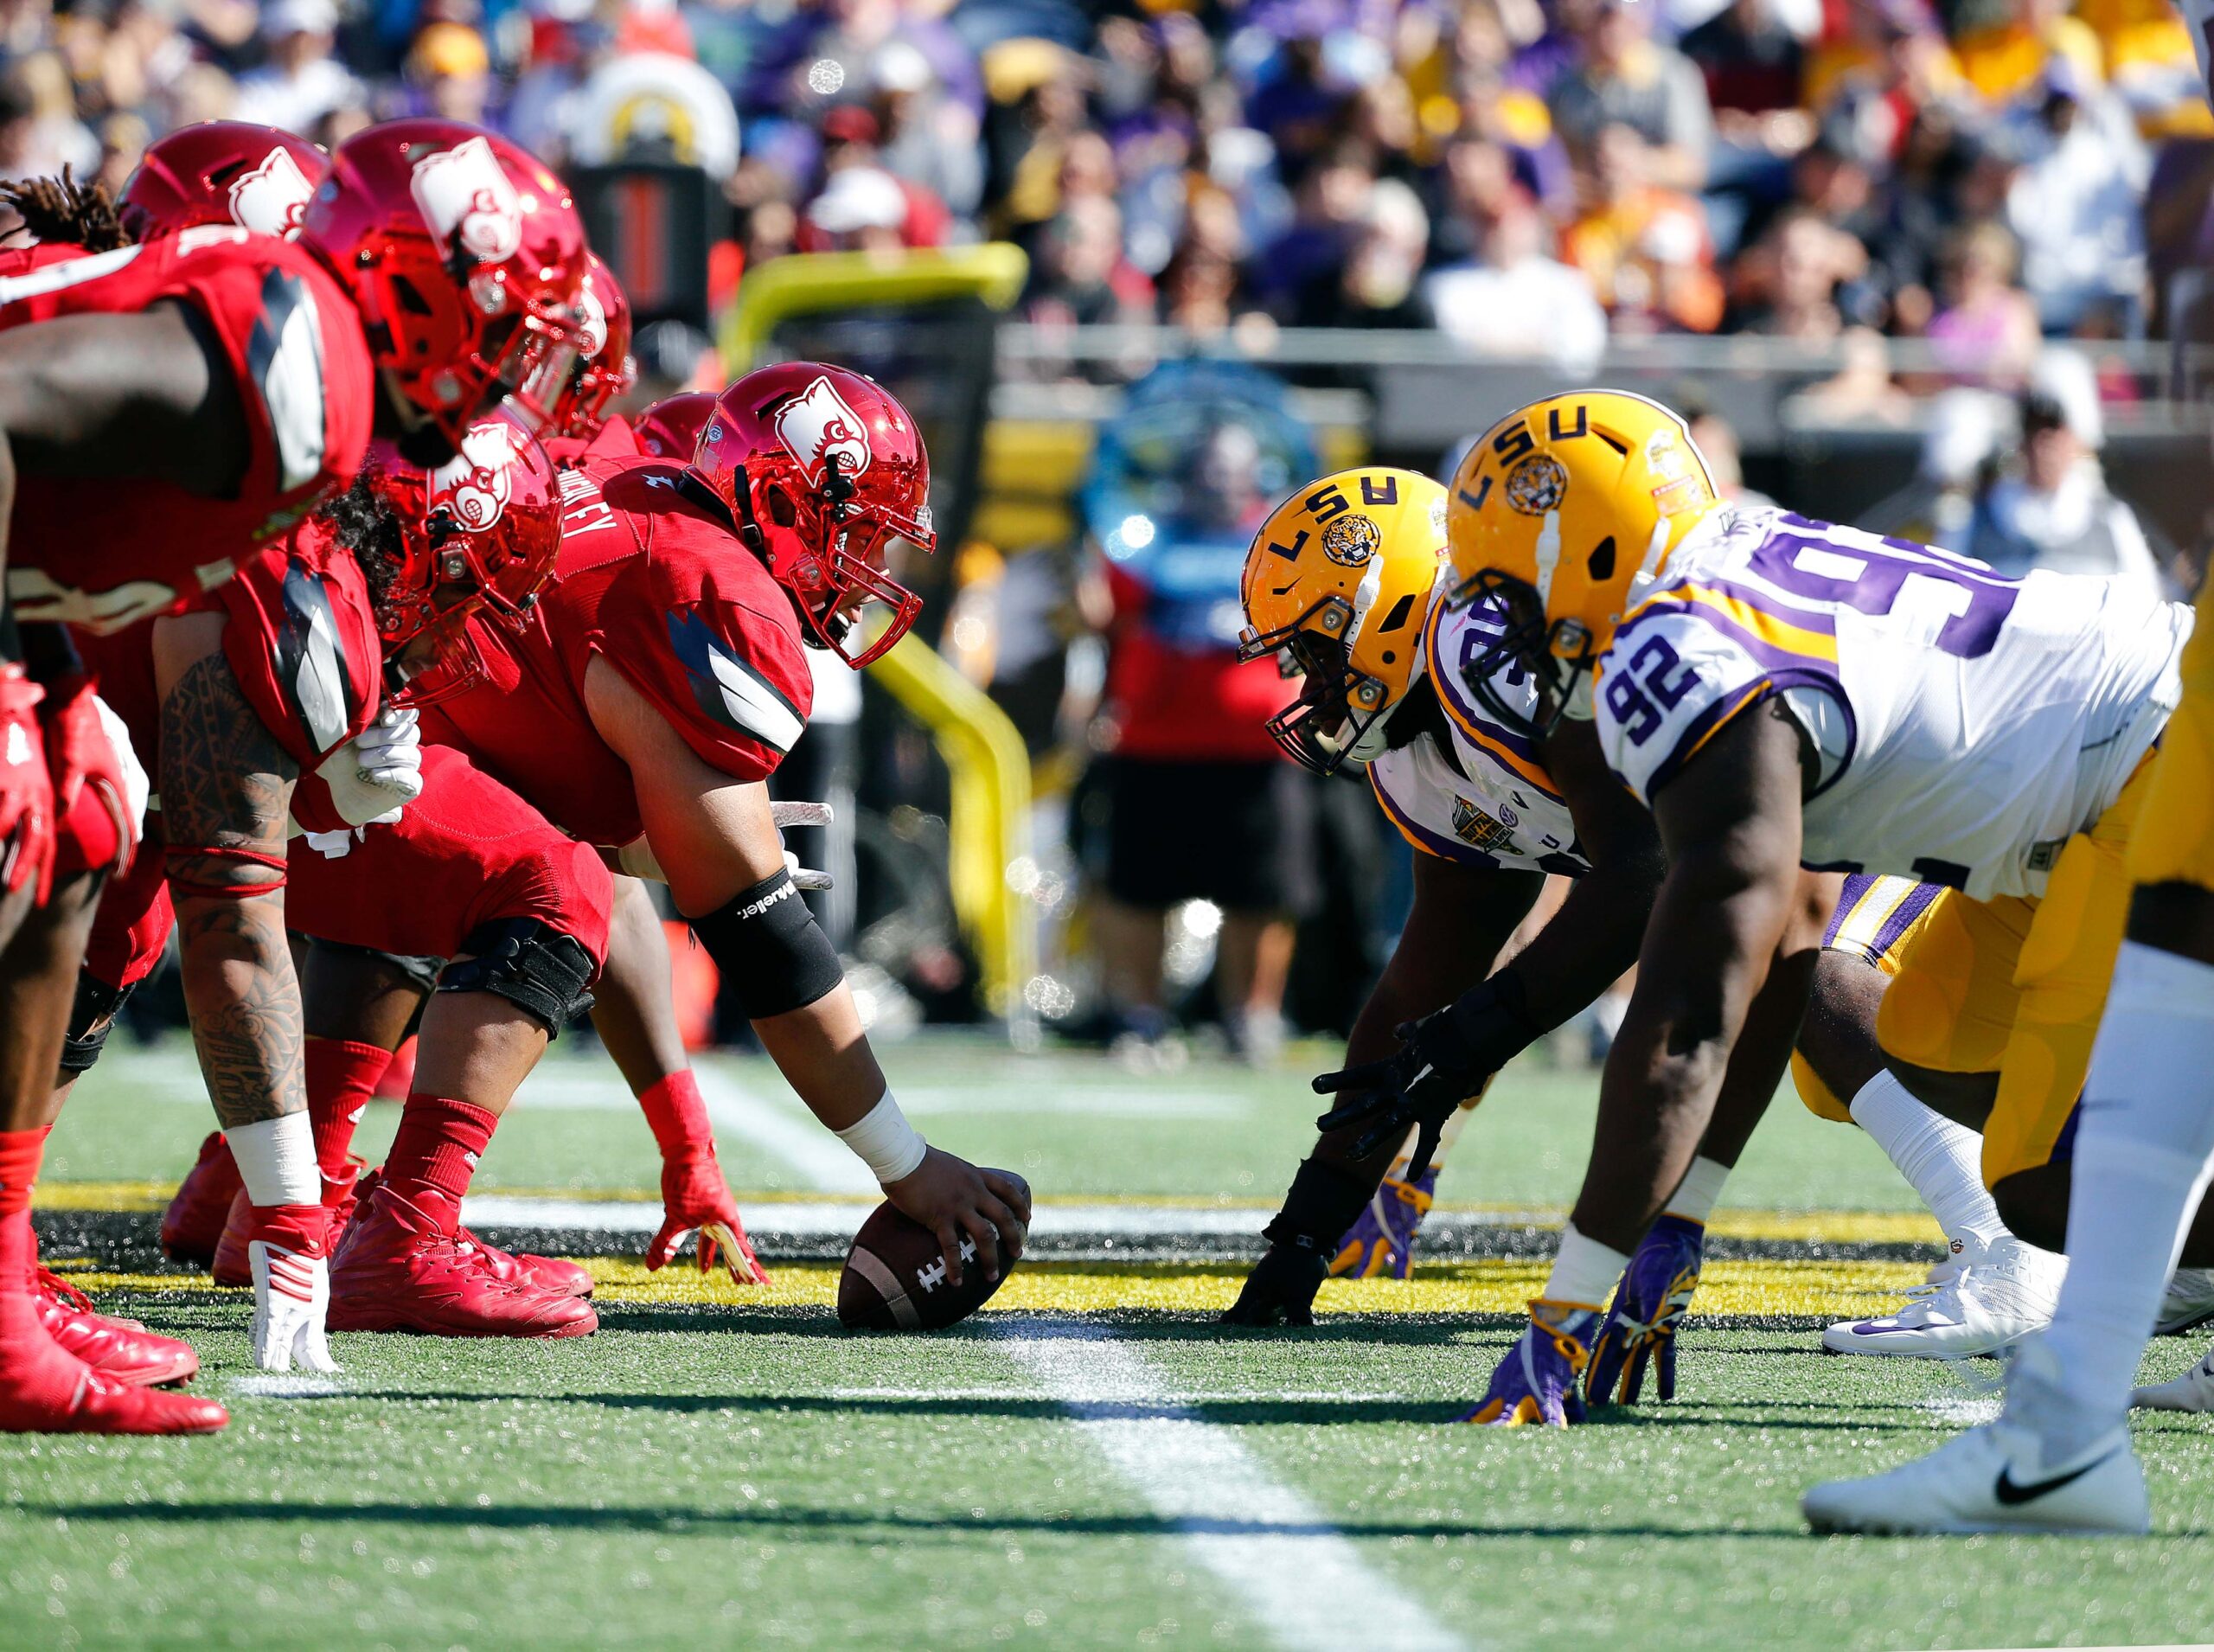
699, 1475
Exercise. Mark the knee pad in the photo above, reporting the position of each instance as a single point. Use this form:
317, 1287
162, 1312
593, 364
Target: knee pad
91, 1018
533, 966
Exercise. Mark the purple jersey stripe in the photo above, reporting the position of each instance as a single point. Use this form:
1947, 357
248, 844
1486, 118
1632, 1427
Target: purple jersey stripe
1768, 602
1767, 654
1856, 890
1446, 848
1901, 920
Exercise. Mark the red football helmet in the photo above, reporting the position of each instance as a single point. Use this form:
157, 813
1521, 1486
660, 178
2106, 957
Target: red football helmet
670, 428
222, 172
478, 537
463, 255
823, 468
604, 366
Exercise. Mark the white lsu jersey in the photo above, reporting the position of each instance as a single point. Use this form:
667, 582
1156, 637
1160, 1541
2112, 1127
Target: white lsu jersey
1486, 801
1966, 724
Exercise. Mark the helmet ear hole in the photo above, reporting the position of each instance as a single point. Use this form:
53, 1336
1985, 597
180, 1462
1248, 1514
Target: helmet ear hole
782, 512
1602, 564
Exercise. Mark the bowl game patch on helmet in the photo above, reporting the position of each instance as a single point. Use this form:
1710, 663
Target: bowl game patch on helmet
1350, 540
1536, 485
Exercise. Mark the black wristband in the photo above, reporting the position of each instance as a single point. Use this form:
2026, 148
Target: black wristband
773, 955
1323, 1202
1493, 1021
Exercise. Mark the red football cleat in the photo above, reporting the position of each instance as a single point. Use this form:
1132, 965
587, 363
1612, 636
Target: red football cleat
193, 1225
399, 1269
121, 1348
546, 1272
44, 1391
229, 1264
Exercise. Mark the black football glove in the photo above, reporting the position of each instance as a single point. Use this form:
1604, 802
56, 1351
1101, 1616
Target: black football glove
1302, 1237
1443, 1059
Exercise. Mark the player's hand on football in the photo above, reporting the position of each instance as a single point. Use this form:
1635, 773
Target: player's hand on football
694, 1199
1281, 1289
951, 1196
1650, 1305
378, 773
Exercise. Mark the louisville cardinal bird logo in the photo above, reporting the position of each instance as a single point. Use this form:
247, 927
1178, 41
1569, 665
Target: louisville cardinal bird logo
464, 197
814, 426
271, 199
473, 487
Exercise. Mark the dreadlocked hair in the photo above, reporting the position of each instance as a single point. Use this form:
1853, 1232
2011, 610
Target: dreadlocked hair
366, 530
62, 209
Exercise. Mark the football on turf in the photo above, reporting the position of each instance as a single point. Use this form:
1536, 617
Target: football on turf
895, 1278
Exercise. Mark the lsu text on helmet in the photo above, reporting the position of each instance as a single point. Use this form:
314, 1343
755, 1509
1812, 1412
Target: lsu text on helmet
1337, 585
1561, 514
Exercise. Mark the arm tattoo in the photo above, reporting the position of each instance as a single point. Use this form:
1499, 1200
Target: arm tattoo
227, 784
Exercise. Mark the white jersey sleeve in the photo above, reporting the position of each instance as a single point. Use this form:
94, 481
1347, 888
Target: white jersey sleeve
1669, 684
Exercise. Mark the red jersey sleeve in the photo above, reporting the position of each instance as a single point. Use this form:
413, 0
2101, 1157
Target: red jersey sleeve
106, 554
698, 627
301, 639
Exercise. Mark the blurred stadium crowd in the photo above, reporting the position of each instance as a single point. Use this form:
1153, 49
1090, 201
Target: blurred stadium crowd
1525, 175
1530, 177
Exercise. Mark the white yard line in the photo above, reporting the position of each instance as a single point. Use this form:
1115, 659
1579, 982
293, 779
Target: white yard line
1299, 1577
286, 1385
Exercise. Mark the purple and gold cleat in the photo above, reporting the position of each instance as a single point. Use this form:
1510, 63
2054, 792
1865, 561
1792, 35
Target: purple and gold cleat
1540, 1379
1649, 1304
1380, 1245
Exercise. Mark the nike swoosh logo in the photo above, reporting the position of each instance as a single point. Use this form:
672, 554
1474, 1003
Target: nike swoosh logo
2012, 1494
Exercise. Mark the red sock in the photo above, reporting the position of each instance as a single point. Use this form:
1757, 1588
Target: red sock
436, 1151
341, 1078
20, 1153
678, 1116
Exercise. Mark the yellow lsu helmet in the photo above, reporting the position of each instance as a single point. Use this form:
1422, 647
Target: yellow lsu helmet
1337, 586
1559, 513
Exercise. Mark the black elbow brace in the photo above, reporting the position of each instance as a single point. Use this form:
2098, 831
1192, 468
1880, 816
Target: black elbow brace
533, 965
91, 1018
773, 955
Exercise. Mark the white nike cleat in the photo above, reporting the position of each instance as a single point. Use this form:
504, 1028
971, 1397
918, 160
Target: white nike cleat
2189, 1302
1983, 1300
1993, 1479
2193, 1391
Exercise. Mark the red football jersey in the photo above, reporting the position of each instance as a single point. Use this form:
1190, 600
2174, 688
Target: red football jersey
300, 637
613, 440
108, 552
468, 852
652, 577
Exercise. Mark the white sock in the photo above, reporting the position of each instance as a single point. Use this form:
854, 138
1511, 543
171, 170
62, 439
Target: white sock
2143, 1146
276, 1160
1696, 1194
1942, 1162
1584, 1271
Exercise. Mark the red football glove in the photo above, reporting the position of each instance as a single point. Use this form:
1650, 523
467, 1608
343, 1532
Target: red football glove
696, 1199
26, 790
97, 829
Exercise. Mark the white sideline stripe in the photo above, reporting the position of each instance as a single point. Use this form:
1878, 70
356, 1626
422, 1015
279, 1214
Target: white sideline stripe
1214, 1397
1298, 1576
1963, 1410
597, 1092
823, 1219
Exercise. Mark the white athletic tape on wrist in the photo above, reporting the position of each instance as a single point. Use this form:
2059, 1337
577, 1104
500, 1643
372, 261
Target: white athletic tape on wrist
886, 1141
276, 1160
